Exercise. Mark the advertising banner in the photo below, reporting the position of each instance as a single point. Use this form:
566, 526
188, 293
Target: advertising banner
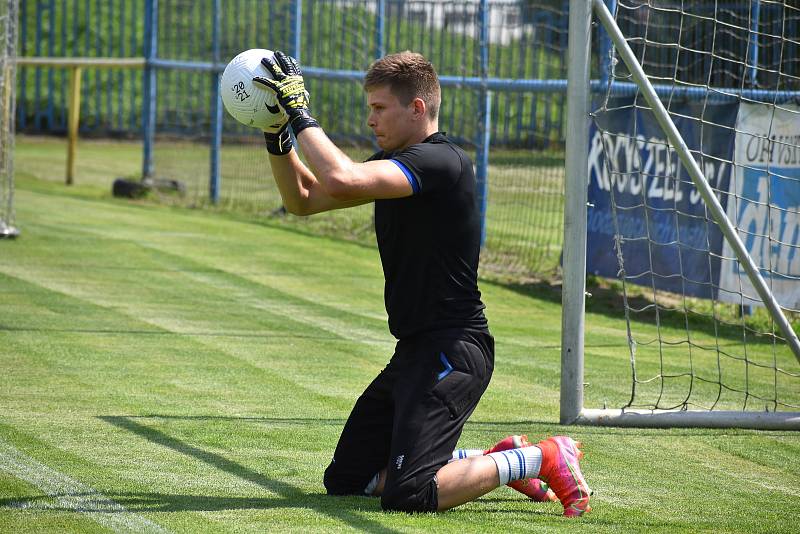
764, 203
639, 190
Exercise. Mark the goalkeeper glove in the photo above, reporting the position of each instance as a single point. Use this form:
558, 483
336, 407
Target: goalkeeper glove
290, 90
278, 142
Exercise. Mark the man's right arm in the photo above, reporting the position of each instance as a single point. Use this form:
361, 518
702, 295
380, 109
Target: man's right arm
301, 192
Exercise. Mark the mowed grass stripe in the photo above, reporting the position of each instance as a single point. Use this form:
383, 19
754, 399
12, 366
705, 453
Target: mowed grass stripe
726, 468
195, 485
194, 372
121, 347
161, 237
338, 282
71, 494
184, 424
215, 308
189, 372
159, 288
155, 296
685, 475
262, 263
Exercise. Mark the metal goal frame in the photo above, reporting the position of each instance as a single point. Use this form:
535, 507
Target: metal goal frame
572, 409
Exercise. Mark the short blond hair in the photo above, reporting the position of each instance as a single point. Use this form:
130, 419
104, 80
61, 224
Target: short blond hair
409, 75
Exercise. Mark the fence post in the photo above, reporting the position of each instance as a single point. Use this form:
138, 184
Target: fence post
216, 112
485, 111
149, 89
380, 29
755, 13
297, 18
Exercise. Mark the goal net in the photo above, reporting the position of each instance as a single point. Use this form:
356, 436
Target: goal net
8, 41
705, 342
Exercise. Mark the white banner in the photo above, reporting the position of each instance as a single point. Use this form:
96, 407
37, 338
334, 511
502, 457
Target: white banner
764, 203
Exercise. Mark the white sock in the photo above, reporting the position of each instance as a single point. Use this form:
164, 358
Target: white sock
460, 454
515, 464
370, 489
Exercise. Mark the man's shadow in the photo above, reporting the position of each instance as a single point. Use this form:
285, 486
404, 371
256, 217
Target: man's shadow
345, 509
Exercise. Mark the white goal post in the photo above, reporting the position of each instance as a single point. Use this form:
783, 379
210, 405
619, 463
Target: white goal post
776, 412
8, 44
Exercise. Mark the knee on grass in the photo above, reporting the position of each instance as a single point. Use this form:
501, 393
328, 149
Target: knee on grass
410, 498
339, 484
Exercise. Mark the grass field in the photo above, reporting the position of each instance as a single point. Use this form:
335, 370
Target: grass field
168, 369
524, 213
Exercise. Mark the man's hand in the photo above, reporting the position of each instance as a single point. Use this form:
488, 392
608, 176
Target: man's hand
290, 90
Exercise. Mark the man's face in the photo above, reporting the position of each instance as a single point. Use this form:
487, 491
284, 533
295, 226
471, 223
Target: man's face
393, 123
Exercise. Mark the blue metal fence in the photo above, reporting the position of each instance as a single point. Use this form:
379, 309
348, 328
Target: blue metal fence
502, 64
525, 52
111, 99
525, 43
337, 42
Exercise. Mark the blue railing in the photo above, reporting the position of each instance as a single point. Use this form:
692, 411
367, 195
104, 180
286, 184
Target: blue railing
111, 99
502, 64
515, 50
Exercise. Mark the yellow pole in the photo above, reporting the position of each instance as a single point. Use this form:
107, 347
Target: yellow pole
73, 121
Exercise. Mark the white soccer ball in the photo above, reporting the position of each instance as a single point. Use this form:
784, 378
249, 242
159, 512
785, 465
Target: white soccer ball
247, 102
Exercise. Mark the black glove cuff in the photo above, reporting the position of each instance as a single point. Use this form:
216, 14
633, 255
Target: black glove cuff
301, 120
279, 143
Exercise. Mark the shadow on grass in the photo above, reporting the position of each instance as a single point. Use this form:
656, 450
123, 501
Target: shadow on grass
166, 502
344, 509
499, 428
140, 332
300, 421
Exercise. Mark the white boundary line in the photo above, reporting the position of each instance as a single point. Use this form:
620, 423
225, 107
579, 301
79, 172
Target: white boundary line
71, 494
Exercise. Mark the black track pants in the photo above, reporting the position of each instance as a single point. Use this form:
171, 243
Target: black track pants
410, 417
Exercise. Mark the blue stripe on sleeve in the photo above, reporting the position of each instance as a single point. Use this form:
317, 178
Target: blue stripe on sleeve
409, 176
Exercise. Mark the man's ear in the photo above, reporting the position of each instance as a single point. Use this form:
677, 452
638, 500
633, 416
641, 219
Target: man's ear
420, 109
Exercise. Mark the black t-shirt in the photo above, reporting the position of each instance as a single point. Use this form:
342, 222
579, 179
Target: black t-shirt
429, 242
